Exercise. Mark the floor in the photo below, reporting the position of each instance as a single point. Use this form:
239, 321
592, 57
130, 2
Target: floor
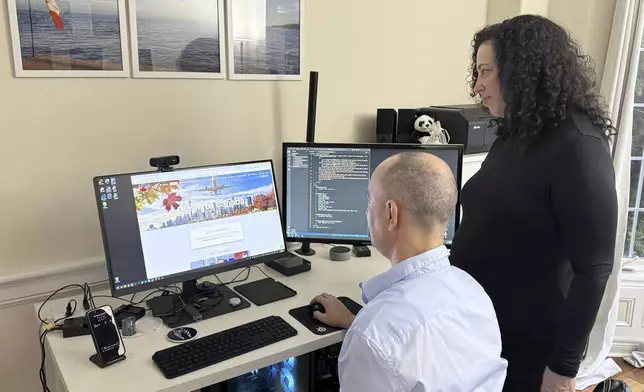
633, 377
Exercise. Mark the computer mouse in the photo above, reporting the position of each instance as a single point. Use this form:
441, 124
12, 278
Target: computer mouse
234, 301
316, 307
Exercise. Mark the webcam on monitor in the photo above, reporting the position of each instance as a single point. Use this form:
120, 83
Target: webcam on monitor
164, 163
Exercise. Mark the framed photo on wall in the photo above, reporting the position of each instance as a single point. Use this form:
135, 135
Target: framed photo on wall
264, 39
69, 38
177, 39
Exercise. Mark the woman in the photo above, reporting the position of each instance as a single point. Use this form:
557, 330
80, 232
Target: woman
540, 216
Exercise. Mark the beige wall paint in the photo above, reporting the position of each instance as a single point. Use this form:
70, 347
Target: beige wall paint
19, 336
590, 23
499, 10
538, 7
59, 133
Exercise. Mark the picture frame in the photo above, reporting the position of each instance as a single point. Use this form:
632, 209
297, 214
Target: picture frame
173, 39
265, 39
69, 38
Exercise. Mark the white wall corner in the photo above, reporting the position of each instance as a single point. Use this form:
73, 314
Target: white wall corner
33, 286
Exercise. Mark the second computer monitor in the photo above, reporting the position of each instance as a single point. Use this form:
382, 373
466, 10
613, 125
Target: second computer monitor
325, 188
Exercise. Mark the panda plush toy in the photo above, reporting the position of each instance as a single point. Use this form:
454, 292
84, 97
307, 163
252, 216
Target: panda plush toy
429, 131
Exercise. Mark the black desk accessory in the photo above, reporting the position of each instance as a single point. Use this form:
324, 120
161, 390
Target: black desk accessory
265, 291
96, 360
289, 266
202, 307
361, 251
75, 326
303, 315
128, 310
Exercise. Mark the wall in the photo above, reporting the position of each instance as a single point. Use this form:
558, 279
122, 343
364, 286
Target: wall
499, 10
59, 133
589, 22
537, 7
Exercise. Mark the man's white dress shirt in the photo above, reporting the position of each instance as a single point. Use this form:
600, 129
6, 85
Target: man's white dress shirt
426, 326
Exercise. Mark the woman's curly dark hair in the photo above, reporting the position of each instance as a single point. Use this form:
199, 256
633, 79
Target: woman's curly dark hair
543, 75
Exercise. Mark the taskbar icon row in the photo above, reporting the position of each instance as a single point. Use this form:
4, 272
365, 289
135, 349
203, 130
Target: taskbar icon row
134, 284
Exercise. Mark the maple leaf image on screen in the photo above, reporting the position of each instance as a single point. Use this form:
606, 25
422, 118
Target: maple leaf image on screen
264, 202
172, 201
149, 193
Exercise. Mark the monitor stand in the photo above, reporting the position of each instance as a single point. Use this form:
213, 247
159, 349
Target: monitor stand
202, 301
305, 250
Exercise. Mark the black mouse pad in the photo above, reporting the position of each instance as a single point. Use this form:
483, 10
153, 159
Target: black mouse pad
303, 315
265, 291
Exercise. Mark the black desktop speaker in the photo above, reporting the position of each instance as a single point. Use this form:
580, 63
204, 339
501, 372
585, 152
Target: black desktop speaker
386, 122
312, 108
406, 119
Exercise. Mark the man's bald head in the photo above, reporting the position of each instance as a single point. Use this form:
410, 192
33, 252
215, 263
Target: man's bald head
421, 184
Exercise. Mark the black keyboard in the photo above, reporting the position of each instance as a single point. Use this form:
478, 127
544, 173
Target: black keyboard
218, 347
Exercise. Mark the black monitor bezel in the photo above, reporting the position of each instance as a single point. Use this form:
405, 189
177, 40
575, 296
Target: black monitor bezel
186, 276
401, 146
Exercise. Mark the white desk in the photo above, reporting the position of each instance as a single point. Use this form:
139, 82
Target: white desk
68, 358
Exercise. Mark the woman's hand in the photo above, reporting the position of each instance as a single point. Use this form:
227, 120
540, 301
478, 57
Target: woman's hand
552, 382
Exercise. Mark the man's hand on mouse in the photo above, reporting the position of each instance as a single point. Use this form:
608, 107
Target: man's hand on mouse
335, 313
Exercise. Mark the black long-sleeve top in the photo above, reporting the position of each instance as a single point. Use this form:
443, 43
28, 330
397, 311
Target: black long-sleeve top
538, 233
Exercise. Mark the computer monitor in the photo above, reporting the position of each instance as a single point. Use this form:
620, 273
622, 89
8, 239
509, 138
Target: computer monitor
325, 188
161, 228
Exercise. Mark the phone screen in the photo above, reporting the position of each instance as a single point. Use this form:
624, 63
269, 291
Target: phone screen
107, 338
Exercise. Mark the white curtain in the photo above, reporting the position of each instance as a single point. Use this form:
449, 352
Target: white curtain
618, 88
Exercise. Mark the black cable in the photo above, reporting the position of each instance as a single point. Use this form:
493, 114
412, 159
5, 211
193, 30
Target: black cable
234, 280
247, 270
43, 353
56, 292
191, 299
160, 290
136, 303
262, 271
89, 297
69, 311
41, 373
119, 298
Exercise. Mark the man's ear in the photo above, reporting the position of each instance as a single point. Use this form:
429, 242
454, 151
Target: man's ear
392, 214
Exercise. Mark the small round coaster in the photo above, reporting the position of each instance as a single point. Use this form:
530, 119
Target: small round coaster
181, 334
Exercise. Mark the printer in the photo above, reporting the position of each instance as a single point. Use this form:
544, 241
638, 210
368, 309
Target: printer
469, 125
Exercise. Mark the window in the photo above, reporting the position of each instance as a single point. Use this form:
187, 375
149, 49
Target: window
634, 246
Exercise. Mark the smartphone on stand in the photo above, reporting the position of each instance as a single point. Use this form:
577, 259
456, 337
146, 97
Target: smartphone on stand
105, 334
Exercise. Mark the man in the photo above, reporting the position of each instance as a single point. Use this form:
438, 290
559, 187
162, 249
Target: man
426, 326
